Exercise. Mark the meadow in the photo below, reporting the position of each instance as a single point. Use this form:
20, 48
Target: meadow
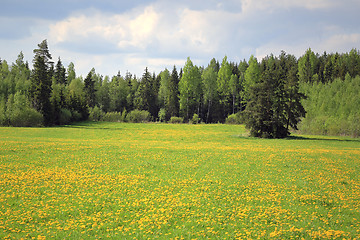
168, 181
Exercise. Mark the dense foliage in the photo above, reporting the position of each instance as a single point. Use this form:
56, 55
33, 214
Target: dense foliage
332, 108
263, 94
274, 100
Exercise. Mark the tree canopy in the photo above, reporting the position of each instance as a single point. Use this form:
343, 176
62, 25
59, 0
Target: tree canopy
265, 94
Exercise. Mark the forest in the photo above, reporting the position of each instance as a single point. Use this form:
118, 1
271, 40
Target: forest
317, 94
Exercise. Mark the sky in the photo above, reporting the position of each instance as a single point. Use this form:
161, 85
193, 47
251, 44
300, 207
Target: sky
129, 35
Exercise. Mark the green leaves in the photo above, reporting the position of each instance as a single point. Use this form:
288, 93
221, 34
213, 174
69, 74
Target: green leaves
274, 100
190, 90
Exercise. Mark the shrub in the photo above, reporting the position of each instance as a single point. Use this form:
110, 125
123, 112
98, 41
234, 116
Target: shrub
112, 117
123, 116
96, 114
26, 117
235, 118
231, 119
65, 116
3, 118
137, 116
75, 116
162, 115
176, 120
195, 119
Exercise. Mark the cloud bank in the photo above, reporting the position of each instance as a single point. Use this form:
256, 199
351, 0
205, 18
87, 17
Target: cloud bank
111, 35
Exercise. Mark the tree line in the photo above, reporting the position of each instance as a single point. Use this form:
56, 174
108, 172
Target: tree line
332, 108
263, 94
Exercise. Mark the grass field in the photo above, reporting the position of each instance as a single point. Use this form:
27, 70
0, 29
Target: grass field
145, 181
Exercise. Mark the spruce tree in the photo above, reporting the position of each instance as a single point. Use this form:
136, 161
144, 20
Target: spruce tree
89, 88
144, 97
173, 101
274, 101
294, 109
60, 73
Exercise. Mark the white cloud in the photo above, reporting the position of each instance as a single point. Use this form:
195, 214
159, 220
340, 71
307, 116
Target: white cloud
154, 34
122, 30
334, 43
340, 42
160, 33
271, 5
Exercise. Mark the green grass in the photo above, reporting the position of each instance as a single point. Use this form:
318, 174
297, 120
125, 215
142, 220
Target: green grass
125, 181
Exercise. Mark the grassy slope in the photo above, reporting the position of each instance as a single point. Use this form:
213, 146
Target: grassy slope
161, 180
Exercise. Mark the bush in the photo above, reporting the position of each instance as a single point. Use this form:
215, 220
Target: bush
3, 118
195, 119
231, 119
137, 116
123, 116
27, 117
235, 118
65, 116
75, 116
176, 120
112, 117
96, 114
162, 115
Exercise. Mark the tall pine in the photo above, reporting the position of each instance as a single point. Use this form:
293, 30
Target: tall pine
40, 89
89, 88
173, 101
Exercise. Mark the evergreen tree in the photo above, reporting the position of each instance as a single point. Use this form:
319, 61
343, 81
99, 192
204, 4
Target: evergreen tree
307, 66
60, 73
173, 102
40, 90
155, 86
353, 63
274, 101
89, 88
144, 97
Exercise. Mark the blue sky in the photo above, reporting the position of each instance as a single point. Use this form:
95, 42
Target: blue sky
113, 35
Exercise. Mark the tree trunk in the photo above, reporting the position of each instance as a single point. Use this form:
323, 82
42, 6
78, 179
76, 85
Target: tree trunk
208, 113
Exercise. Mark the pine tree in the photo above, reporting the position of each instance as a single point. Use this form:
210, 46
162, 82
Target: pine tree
40, 89
173, 101
274, 101
294, 109
89, 88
